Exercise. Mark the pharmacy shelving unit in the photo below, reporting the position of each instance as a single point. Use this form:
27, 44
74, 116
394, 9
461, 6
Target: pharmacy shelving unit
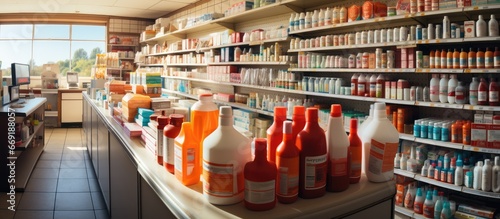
129, 46
420, 76
26, 154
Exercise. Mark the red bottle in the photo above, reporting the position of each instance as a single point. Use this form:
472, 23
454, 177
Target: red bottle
260, 180
170, 132
287, 162
355, 151
493, 92
311, 143
354, 84
275, 132
482, 92
162, 121
298, 121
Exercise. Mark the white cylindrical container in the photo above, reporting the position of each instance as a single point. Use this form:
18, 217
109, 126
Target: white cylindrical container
383, 36
478, 176
403, 33
430, 31
495, 175
370, 37
443, 89
452, 84
481, 29
486, 180
225, 153
493, 26
376, 36
446, 27
395, 34
390, 35
434, 88
380, 142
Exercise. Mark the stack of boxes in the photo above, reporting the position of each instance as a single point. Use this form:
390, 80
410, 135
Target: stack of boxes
405, 58
151, 83
485, 131
222, 73
143, 116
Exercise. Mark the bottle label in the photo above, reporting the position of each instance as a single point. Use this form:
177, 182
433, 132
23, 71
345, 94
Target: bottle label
315, 172
488, 62
417, 208
459, 95
480, 61
429, 211
260, 192
409, 200
382, 156
168, 150
378, 90
361, 89
463, 63
159, 142
493, 96
222, 180
482, 96
434, 90
450, 177
472, 62
288, 177
338, 167
178, 158
496, 61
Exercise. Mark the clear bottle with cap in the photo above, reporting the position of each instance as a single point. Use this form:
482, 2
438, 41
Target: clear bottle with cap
260, 179
403, 162
412, 164
338, 144
486, 176
379, 133
313, 157
226, 151
397, 161
481, 29
287, 162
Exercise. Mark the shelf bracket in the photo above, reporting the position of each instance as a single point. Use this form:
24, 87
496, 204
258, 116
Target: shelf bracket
226, 25
293, 8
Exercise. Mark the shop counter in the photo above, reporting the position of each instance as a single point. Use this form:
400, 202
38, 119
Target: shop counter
154, 184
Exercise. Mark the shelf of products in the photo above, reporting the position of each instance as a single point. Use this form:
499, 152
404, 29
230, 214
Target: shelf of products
356, 70
248, 63
25, 144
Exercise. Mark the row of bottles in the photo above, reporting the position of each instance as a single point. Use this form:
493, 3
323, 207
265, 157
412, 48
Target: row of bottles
317, 18
458, 131
453, 59
480, 92
431, 205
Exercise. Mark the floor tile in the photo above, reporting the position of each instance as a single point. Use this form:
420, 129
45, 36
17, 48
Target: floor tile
6, 214
50, 156
51, 164
101, 214
37, 201
74, 214
94, 185
43, 173
98, 200
73, 164
72, 173
73, 156
4, 197
73, 202
91, 172
34, 214
41, 185
47, 150
73, 185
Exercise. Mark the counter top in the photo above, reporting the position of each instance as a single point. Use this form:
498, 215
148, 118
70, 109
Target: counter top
26, 108
188, 201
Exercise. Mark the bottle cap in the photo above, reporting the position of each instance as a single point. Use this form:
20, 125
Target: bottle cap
429, 195
287, 127
354, 123
419, 192
205, 97
176, 117
162, 120
279, 111
299, 110
379, 106
336, 110
225, 112
260, 144
153, 117
311, 114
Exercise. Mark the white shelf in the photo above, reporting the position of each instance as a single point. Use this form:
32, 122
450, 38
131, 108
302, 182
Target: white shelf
174, 52
251, 43
360, 46
187, 64
439, 105
248, 63
445, 144
440, 41
357, 70
481, 193
51, 113
151, 65
481, 149
407, 137
404, 173
122, 45
25, 144
479, 71
483, 108
439, 70
438, 183
404, 211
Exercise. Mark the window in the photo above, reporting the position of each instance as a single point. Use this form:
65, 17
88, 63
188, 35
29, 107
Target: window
73, 47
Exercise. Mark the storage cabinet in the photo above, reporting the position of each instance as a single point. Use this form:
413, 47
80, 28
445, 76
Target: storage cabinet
71, 107
18, 161
103, 160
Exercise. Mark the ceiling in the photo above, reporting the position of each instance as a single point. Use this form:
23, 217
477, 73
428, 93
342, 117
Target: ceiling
122, 8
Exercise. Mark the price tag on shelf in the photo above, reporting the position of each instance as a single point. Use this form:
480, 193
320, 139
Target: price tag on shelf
467, 70
422, 14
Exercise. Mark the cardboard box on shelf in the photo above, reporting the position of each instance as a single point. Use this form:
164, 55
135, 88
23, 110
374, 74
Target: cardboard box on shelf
479, 137
493, 136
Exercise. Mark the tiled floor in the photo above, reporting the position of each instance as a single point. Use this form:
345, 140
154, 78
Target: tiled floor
63, 184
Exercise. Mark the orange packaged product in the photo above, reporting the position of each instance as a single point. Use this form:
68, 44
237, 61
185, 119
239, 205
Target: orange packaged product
353, 13
379, 9
367, 10
130, 104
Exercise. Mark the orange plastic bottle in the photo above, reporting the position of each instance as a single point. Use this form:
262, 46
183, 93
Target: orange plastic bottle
463, 59
431, 62
456, 132
437, 59
456, 59
466, 132
275, 132
449, 59
311, 142
444, 59
356, 150
170, 132
287, 162
298, 121
187, 161
472, 59
488, 58
479, 59
260, 180
204, 120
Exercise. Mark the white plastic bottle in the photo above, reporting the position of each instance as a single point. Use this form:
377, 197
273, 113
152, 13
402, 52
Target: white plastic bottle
446, 27
337, 144
493, 26
486, 180
403, 162
428, 210
302, 21
315, 18
495, 175
460, 93
225, 153
412, 164
291, 24
434, 88
336, 15
410, 196
443, 89
425, 169
379, 135
438, 206
481, 30
296, 21
459, 172
328, 16
397, 161
308, 19
478, 175
473, 91
418, 204
430, 172
366, 122
321, 18
452, 84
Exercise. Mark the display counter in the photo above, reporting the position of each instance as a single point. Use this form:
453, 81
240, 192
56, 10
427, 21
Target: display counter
132, 184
